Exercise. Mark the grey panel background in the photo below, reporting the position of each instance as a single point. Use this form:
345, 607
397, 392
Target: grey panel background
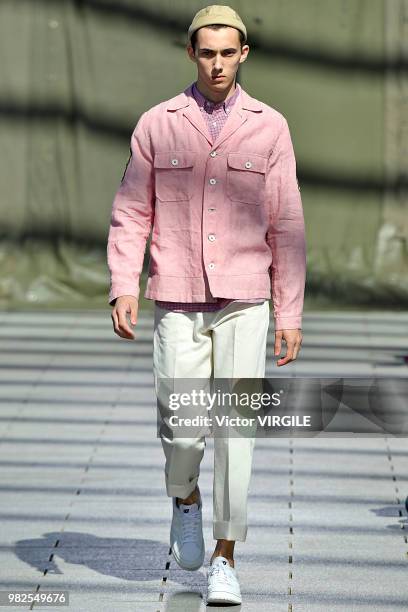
76, 75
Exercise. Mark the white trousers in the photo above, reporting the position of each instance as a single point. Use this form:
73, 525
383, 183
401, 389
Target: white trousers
229, 343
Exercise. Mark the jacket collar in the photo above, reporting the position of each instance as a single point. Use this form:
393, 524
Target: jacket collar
191, 111
186, 98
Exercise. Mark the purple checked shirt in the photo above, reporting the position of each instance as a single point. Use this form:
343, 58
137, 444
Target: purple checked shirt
215, 115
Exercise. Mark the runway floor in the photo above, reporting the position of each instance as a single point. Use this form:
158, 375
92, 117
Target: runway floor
83, 506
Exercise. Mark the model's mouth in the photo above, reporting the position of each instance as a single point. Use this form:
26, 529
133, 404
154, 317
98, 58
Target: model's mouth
217, 77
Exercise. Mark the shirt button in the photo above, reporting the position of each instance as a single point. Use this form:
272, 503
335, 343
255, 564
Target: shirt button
211, 266
211, 237
213, 153
212, 181
211, 209
174, 162
248, 164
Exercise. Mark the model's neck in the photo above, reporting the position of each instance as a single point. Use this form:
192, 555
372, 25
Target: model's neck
215, 96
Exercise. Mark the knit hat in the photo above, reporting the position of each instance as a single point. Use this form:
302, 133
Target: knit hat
216, 13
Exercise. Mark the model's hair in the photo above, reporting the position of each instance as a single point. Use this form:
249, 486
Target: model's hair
217, 26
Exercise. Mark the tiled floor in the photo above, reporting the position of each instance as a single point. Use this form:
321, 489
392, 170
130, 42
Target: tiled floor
83, 505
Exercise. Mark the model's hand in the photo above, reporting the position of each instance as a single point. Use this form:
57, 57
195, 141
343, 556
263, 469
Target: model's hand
293, 339
124, 304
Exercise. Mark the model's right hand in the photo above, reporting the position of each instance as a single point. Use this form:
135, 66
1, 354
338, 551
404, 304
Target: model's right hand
124, 304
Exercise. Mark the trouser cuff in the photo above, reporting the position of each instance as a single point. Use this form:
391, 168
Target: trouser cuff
180, 490
225, 530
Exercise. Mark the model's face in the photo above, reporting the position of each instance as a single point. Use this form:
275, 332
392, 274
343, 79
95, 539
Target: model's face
218, 55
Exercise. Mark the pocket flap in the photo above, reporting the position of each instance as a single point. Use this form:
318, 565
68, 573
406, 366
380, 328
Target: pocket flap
174, 159
250, 162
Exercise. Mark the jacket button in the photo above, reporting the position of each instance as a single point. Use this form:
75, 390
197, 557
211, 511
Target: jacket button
211, 237
248, 164
213, 153
174, 162
211, 266
212, 181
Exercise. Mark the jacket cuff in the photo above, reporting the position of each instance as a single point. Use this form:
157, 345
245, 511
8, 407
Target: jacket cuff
287, 322
118, 290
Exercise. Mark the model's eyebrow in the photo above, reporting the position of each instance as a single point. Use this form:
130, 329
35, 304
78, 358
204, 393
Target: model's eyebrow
222, 50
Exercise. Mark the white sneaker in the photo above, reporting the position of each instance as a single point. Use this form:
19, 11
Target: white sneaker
223, 585
186, 535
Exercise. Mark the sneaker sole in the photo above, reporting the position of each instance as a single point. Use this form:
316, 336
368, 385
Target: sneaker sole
223, 597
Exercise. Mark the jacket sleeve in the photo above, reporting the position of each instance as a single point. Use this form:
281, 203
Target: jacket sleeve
286, 234
132, 217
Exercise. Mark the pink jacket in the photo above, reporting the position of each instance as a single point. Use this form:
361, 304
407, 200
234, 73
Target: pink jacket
229, 209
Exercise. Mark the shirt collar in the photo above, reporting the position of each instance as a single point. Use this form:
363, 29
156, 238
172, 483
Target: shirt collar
207, 104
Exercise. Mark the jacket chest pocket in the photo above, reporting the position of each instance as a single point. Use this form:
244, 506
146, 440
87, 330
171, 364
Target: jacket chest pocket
173, 172
246, 177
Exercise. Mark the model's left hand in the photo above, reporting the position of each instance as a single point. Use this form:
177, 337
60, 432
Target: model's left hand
293, 339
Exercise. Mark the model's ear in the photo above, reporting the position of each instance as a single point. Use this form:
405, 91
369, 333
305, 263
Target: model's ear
191, 54
244, 53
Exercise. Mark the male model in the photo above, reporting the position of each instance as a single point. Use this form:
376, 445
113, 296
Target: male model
212, 173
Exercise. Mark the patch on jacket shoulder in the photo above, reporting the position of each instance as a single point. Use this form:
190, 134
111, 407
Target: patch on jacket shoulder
127, 163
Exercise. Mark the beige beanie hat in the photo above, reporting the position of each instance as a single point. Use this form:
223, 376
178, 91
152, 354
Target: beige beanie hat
217, 13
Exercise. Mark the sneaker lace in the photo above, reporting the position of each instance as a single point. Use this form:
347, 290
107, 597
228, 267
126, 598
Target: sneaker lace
221, 572
190, 526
